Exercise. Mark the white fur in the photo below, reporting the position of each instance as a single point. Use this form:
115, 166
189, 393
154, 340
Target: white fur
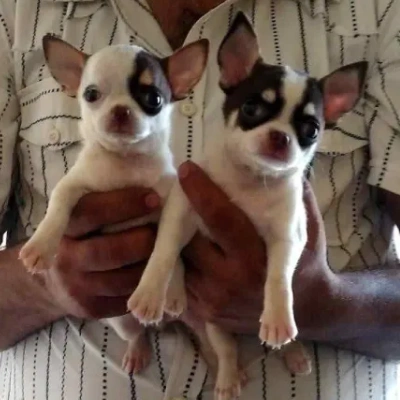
106, 162
270, 192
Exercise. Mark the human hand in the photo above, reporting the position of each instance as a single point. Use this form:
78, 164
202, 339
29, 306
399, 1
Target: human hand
94, 274
225, 281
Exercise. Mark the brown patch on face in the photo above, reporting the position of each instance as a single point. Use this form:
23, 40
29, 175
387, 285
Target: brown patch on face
146, 78
148, 67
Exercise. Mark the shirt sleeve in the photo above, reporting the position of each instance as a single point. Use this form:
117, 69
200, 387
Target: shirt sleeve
9, 108
382, 109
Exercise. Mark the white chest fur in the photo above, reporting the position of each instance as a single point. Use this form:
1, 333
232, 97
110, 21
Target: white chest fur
274, 206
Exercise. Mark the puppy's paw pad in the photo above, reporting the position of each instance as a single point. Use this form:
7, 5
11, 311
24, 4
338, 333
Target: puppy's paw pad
146, 305
276, 332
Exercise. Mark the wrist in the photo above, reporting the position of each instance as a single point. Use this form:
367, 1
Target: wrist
317, 302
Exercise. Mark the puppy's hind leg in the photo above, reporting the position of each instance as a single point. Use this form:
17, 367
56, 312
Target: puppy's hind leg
138, 352
228, 383
296, 358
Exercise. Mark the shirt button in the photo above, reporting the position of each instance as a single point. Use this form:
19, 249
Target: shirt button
188, 109
54, 136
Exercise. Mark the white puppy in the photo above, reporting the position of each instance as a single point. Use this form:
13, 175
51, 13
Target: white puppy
274, 117
126, 97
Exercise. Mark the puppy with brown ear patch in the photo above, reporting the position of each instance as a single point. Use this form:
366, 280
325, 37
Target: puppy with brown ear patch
274, 117
126, 97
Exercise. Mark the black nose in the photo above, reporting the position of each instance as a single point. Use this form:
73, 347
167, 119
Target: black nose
121, 114
279, 140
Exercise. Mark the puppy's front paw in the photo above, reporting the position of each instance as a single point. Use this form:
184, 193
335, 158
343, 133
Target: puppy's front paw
37, 254
176, 302
147, 304
277, 326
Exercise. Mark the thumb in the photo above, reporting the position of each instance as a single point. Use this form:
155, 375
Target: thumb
228, 225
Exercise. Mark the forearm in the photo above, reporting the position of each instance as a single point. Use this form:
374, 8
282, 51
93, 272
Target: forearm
358, 311
25, 304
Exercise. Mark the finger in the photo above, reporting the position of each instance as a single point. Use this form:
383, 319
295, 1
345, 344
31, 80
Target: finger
116, 283
315, 224
203, 253
96, 210
228, 225
105, 252
220, 270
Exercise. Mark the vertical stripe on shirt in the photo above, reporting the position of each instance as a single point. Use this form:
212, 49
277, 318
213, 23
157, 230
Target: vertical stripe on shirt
64, 360
317, 372
113, 32
45, 186
264, 373
85, 32
23, 370
132, 386
302, 37
35, 353
189, 144
5, 108
82, 362
159, 360
48, 361
278, 56
293, 386
369, 366
35, 24
196, 359
104, 361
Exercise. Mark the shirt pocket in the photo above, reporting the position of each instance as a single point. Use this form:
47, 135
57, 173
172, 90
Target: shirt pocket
352, 33
339, 178
49, 143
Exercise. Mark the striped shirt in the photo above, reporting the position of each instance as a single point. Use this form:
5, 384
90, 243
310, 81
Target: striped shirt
39, 142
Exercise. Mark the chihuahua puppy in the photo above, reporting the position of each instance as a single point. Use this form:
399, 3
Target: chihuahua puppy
274, 117
126, 97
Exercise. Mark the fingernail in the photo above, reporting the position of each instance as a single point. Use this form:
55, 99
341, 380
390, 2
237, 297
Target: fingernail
184, 170
152, 200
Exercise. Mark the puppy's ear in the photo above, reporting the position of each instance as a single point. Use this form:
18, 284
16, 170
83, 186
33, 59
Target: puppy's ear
341, 90
238, 53
65, 62
185, 67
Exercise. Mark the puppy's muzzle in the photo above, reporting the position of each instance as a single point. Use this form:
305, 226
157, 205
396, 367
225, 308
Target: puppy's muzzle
276, 145
121, 121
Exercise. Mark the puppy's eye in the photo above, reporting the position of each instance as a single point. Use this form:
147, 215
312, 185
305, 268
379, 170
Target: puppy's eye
150, 99
91, 94
253, 108
253, 112
309, 130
